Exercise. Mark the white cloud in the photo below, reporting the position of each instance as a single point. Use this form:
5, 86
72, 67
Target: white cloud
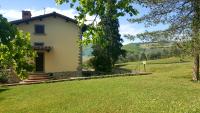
69, 12
11, 14
131, 29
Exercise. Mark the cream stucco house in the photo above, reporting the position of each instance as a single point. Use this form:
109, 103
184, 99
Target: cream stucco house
55, 38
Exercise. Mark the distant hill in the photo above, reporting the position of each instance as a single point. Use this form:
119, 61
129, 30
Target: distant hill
132, 47
87, 50
135, 47
138, 47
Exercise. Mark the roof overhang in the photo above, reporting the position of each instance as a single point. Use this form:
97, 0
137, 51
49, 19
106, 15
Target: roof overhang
53, 14
42, 48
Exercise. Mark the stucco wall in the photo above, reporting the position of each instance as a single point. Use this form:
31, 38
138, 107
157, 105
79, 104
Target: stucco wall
63, 37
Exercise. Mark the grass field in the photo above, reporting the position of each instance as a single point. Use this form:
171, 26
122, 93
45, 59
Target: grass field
168, 90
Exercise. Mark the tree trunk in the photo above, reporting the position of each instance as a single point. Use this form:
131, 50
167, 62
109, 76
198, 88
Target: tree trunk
195, 39
196, 68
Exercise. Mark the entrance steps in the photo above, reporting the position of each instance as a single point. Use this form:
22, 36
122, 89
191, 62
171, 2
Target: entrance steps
37, 77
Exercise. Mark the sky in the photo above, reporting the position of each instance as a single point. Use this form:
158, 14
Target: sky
11, 9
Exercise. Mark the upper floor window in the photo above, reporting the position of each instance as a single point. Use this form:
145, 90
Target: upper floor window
39, 29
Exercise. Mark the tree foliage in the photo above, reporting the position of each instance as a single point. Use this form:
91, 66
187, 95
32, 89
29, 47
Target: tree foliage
183, 18
110, 37
16, 52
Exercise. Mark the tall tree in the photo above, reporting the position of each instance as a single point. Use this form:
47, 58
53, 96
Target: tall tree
183, 18
111, 24
104, 34
16, 52
112, 47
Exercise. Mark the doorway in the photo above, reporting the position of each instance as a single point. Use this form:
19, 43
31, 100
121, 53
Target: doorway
39, 61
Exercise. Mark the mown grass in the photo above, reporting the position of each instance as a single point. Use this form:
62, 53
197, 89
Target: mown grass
168, 90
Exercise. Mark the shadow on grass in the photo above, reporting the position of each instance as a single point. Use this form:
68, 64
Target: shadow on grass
116, 70
181, 77
169, 62
120, 65
3, 89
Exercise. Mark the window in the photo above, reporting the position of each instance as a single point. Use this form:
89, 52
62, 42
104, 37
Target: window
39, 29
25, 14
38, 44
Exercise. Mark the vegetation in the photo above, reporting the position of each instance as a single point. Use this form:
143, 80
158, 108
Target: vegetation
151, 51
15, 51
104, 34
183, 18
167, 90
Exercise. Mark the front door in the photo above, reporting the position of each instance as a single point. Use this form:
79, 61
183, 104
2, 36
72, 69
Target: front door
39, 61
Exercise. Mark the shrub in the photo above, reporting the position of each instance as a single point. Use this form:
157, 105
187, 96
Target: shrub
101, 63
3, 78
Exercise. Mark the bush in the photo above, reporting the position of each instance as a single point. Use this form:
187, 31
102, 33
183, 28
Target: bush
87, 64
101, 63
3, 78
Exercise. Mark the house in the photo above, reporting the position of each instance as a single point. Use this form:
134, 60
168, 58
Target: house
55, 38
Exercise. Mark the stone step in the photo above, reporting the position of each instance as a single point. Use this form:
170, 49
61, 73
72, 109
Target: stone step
37, 77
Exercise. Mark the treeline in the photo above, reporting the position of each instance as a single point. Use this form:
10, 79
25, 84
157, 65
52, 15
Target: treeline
137, 53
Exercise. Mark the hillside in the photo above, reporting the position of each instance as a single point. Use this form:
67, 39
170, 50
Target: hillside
87, 50
132, 47
168, 90
150, 45
152, 49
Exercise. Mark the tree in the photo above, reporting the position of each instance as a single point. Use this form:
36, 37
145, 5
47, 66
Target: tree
101, 61
16, 52
110, 37
104, 34
178, 52
183, 18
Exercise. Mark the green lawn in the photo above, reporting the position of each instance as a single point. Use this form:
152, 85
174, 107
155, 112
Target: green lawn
168, 90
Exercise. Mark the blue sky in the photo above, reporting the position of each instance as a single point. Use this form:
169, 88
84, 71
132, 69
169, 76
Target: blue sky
11, 9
